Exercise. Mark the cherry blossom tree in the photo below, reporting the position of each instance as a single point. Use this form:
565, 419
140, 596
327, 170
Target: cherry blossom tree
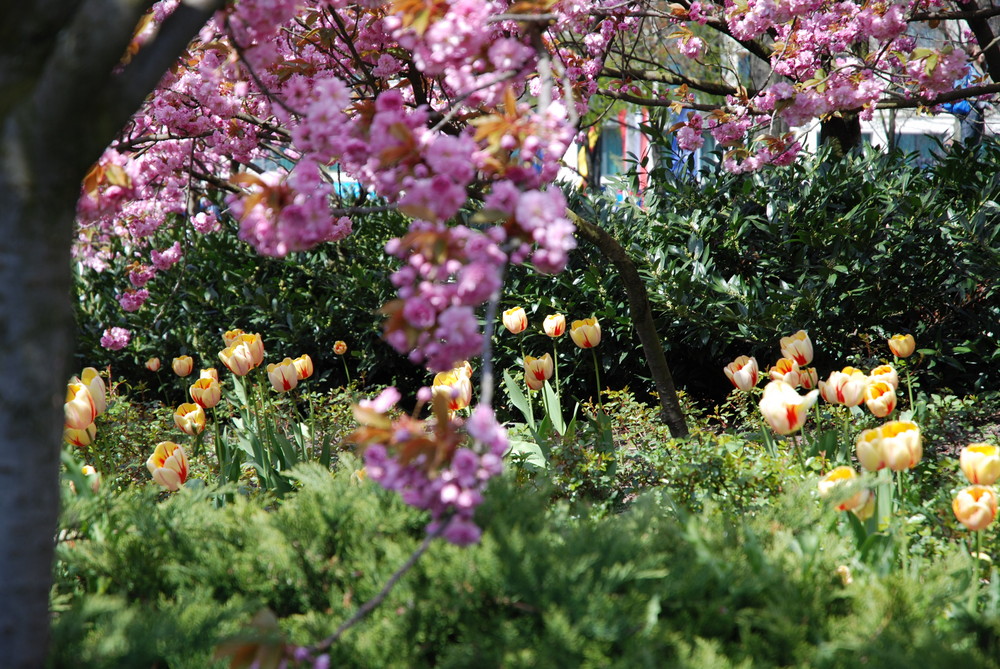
456, 112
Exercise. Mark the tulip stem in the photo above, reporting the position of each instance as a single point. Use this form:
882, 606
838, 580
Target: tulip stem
527, 389
347, 372
597, 374
555, 364
220, 449
900, 502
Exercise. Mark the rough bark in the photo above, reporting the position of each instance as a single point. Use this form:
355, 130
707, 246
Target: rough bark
60, 105
642, 319
844, 132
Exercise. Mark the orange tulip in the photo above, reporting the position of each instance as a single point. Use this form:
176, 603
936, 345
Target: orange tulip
183, 365
80, 410
585, 333
283, 375
783, 408
554, 325
80, 438
786, 370
455, 385
515, 320
98, 391
798, 347
742, 372
190, 418
153, 364
880, 398
303, 366
237, 358
980, 463
902, 346
168, 464
537, 371
975, 507
339, 347
206, 392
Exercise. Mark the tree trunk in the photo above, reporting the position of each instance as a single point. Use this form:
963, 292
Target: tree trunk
60, 105
843, 131
642, 318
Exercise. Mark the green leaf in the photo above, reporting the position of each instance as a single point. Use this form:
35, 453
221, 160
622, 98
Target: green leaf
518, 399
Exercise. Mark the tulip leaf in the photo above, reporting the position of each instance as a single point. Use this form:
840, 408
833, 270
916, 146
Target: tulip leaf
518, 399
555, 409
530, 452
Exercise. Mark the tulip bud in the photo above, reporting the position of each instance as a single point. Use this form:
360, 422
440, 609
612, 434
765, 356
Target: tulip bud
168, 464
206, 392
981, 463
538, 370
80, 410
190, 419
554, 325
798, 347
303, 366
339, 347
515, 320
98, 391
183, 365
975, 507
783, 408
880, 398
93, 476
902, 346
585, 333
742, 372
283, 375
153, 364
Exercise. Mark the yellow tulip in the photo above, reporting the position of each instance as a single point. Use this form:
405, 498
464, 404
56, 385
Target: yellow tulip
98, 391
339, 347
787, 370
869, 449
537, 370
902, 346
455, 386
798, 347
742, 372
168, 464
975, 507
901, 444
980, 463
237, 359
283, 375
80, 410
231, 336
303, 366
182, 365
886, 374
190, 418
206, 392
554, 325
585, 333
210, 373
515, 320
783, 408
880, 398
80, 438
829, 484
153, 364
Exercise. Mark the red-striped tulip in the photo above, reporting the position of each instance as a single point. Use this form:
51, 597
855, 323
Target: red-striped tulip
231, 336
786, 370
537, 370
902, 346
206, 392
98, 391
798, 347
256, 346
880, 398
455, 386
515, 320
846, 388
168, 464
554, 325
836, 479
980, 463
153, 364
210, 373
808, 377
237, 359
303, 366
283, 375
80, 410
183, 365
190, 418
886, 374
585, 333
783, 408
742, 372
339, 347
896, 445
80, 438
975, 507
